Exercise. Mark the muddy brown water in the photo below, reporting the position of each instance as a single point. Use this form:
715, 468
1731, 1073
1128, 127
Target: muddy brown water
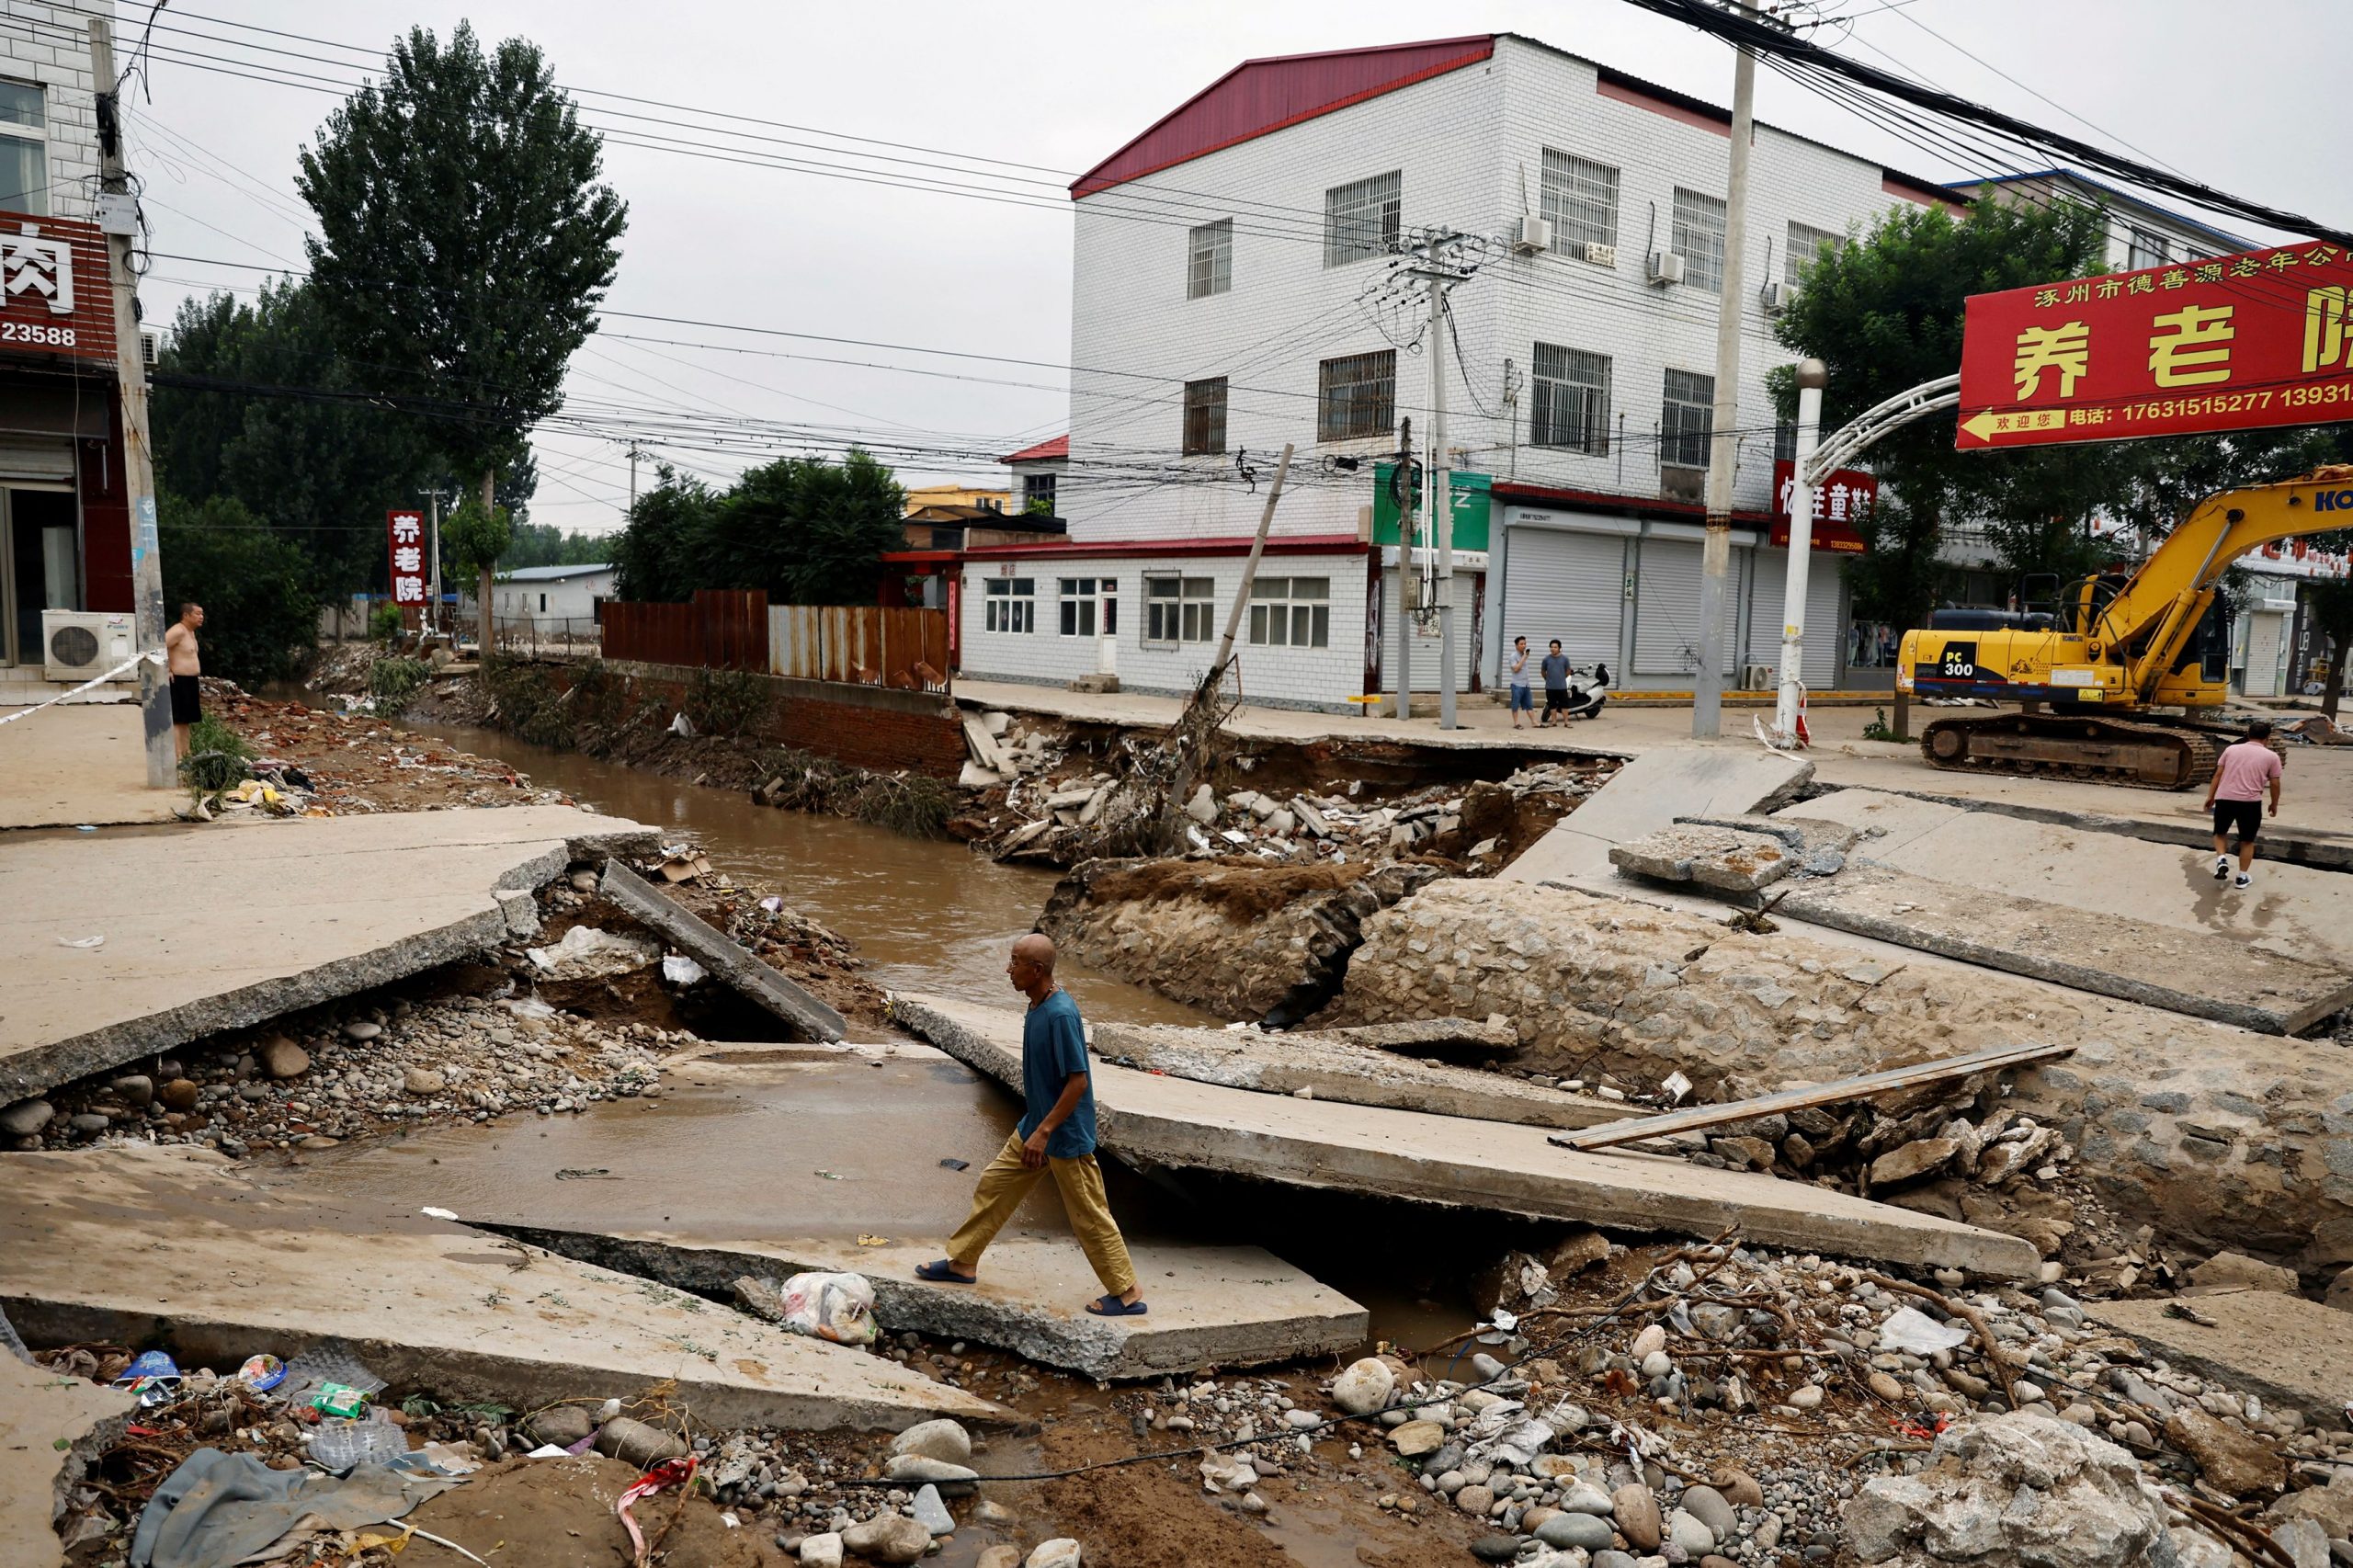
926, 916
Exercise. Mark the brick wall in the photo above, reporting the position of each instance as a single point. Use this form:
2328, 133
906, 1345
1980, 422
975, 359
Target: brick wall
867, 726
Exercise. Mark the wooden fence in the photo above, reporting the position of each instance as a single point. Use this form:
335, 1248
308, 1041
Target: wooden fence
724, 628
867, 644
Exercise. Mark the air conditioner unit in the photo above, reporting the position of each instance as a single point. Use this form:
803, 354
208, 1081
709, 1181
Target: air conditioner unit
1760, 677
1677, 484
1599, 253
1777, 298
79, 644
1534, 234
1666, 267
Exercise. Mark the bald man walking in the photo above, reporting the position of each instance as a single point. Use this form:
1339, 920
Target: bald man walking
1056, 1133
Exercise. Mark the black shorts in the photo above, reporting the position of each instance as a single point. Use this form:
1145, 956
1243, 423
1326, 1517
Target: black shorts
1555, 699
2245, 815
186, 705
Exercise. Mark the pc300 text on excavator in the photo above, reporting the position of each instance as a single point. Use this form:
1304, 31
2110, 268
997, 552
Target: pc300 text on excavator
2100, 676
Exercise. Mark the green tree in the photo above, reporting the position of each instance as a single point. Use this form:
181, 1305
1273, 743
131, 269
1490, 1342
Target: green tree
464, 242
472, 539
807, 530
544, 544
2329, 602
260, 611
655, 555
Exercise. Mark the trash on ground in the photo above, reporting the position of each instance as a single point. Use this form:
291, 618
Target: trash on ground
97, 941
1909, 1328
682, 971
262, 1373
839, 1307
152, 1376
585, 953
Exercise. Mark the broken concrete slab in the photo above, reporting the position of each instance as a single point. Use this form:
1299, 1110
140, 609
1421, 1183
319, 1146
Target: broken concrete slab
214, 928
720, 954
1650, 794
38, 1411
174, 1246
2291, 1353
2295, 910
1426, 1037
1722, 858
829, 1157
2204, 975
1179, 1125
1326, 1066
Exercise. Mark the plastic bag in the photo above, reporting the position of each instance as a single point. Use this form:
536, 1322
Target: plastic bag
1909, 1328
839, 1307
338, 1445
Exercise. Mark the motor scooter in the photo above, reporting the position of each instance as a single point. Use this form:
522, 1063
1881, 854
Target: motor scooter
1586, 702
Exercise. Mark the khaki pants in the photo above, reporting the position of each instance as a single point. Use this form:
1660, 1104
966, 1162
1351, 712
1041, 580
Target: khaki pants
1007, 1181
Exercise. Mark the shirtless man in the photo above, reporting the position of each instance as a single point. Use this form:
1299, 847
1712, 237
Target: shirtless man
180, 658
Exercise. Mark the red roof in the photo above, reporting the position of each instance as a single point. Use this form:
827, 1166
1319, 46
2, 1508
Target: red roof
1057, 447
1260, 96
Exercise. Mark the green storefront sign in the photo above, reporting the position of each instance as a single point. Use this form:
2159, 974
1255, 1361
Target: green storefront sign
1473, 502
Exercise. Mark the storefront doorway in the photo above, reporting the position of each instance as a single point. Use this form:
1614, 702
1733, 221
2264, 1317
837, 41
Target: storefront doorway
38, 565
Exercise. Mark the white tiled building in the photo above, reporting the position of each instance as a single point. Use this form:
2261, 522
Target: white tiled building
1237, 247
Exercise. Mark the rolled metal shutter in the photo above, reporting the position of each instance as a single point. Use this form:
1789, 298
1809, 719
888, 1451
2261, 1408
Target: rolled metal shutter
1666, 610
1425, 648
24, 457
1825, 627
1568, 585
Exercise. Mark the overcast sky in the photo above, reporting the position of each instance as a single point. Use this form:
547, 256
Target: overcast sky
2241, 97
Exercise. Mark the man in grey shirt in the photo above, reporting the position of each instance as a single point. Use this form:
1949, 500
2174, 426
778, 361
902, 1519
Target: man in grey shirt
1556, 682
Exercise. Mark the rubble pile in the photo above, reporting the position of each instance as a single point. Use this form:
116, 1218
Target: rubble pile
351, 763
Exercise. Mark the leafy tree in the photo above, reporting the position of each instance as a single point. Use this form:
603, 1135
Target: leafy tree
544, 544
807, 530
2329, 602
260, 611
464, 241
472, 539
654, 555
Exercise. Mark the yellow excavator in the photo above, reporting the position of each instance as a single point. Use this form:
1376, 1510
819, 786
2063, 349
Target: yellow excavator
2093, 673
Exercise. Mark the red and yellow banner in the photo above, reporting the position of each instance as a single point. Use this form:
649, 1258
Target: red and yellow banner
2231, 343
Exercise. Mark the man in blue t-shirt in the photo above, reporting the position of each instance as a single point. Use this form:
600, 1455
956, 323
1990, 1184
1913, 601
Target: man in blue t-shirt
1056, 1133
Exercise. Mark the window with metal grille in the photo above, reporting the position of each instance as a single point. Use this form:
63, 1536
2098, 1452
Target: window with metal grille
1204, 417
1697, 237
1360, 219
1291, 612
1580, 198
1037, 493
1685, 420
1355, 395
1785, 441
1808, 245
2149, 249
1209, 268
1571, 409
1010, 604
1178, 609
23, 149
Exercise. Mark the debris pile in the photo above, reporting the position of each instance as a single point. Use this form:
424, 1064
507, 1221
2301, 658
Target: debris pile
349, 763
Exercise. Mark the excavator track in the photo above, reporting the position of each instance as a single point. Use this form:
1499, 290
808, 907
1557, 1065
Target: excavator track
2089, 747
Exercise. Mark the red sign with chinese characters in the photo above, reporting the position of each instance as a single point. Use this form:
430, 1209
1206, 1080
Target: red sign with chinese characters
2227, 344
407, 533
56, 289
1843, 496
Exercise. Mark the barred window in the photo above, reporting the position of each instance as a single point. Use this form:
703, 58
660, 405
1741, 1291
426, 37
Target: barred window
1037, 493
1360, 219
1580, 198
1808, 245
1355, 395
1011, 605
1204, 417
1684, 421
1209, 268
1572, 404
1291, 612
1178, 609
1697, 237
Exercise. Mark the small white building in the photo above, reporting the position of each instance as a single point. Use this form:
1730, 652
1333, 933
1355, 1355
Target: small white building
549, 597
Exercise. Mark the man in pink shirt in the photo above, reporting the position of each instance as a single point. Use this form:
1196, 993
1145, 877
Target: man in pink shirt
2235, 795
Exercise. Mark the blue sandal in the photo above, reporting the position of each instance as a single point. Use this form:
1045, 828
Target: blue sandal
942, 1271
1112, 1307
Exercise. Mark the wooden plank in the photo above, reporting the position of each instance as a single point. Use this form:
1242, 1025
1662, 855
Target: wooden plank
1863, 1087
720, 954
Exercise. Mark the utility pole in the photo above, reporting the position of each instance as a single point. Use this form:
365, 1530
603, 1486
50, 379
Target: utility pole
1402, 476
1249, 581
433, 561
117, 218
633, 455
1442, 502
1813, 376
1724, 445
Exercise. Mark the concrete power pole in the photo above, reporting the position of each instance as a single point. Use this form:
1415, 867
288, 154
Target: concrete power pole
433, 611
138, 456
1813, 376
1724, 446
1403, 478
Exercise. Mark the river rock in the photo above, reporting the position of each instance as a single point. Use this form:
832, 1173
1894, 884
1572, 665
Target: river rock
1564, 1531
282, 1058
1364, 1387
953, 1480
2231, 1460
2016, 1488
2305, 1543
1712, 1508
944, 1440
1650, 1342
1689, 1533
932, 1514
1416, 1439
563, 1424
423, 1081
1584, 1497
999, 1556
1739, 1488
888, 1537
1475, 1500
1496, 1548
633, 1442
1060, 1552
1613, 1559
822, 1551
90, 1123
137, 1089
1638, 1518
1885, 1387
1805, 1396
181, 1095
2331, 1506
28, 1117
2237, 1271
1914, 1159
362, 1029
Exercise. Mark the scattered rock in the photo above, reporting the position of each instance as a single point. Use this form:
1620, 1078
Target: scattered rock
1652, 1339
28, 1117
1060, 1552
1416, 1439
563, 1424
999, 1556
1916, 1158
2231, 1460
2237, 1271
2008, 1489
822, 1551
1475, 1501
1638, 1516
181, 1095
631, 1441
282, 1058
89, 1122
1364, 1387
1590, 1531
1712, 1508
944, 1440
1688, 1534
953, 1480
137, 1089
362, 1029
1496, 1548
888, 1537
423, 1081
1805, 1396
1739, 1488
932, 1514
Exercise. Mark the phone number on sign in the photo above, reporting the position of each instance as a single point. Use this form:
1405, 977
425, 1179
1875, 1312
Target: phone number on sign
34, 331
2312, 394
